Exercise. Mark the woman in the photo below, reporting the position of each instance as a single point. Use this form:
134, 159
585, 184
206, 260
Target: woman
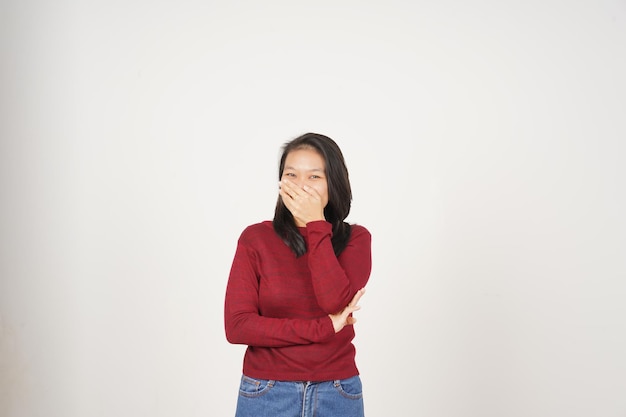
293, 286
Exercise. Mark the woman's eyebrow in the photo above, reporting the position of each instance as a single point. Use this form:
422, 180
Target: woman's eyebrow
308, 170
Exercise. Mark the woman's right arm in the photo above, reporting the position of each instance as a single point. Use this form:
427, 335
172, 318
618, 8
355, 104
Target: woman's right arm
244, 324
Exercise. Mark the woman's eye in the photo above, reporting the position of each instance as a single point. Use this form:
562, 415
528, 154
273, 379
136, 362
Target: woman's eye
315, 177
289, 174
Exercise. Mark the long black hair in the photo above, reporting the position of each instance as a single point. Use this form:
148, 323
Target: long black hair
339, 194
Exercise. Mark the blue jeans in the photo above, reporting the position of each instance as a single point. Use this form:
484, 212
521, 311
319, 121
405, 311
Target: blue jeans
268, 398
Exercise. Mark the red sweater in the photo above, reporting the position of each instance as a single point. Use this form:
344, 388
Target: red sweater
278, 304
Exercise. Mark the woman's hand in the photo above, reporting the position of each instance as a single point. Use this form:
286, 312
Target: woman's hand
305, 204
343, 318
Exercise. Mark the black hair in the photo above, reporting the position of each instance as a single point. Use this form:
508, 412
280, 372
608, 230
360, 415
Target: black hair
339, 194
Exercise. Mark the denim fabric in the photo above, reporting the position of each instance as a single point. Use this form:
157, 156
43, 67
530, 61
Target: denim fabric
267, 398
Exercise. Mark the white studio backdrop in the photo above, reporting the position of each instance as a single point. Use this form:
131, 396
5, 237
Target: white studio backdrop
485, 142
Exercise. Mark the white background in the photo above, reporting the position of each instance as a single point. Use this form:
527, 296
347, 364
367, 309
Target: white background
486, 146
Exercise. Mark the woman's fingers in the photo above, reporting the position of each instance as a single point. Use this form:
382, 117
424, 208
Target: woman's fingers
291, 189
353, 306
344, 318
303, 203
312, 192
297, 192
356, 308
357, 297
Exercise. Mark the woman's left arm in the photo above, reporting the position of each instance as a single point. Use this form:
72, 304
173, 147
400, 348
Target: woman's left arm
337, 279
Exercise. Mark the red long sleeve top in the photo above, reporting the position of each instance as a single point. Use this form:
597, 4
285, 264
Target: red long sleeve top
278, 304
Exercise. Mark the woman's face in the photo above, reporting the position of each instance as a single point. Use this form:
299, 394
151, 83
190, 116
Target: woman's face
307, 167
